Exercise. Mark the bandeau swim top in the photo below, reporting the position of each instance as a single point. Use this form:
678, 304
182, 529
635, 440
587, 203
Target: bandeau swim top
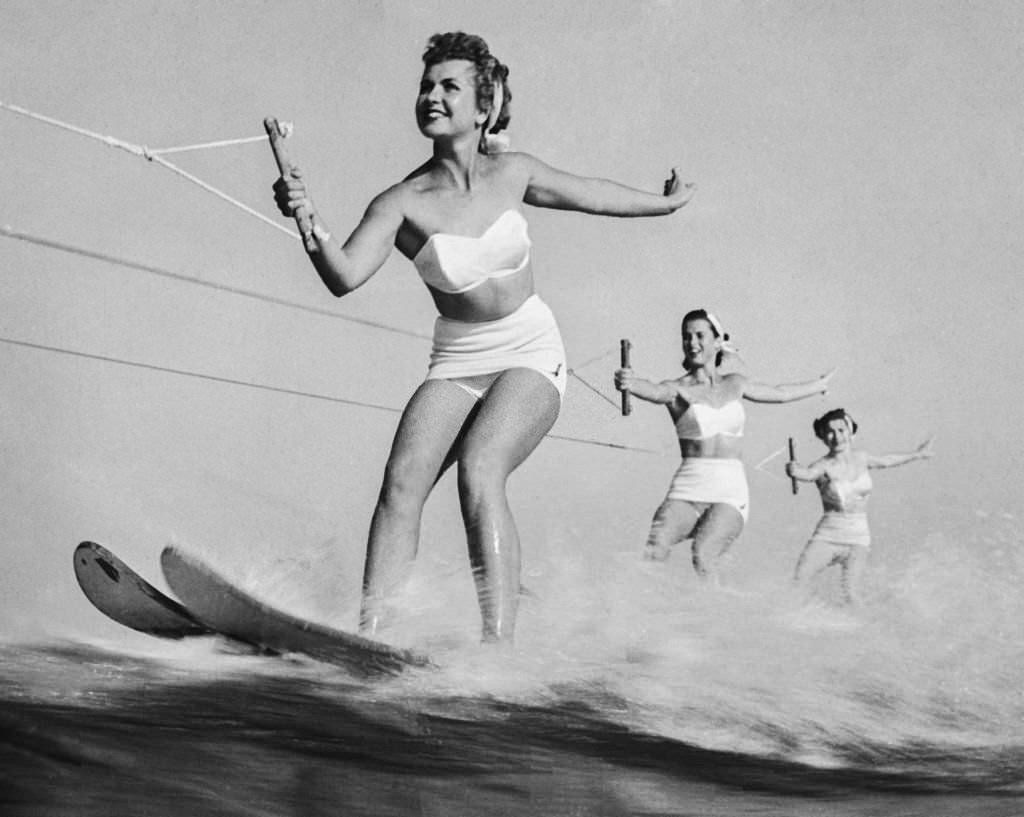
458, 263
701, 421
844, 492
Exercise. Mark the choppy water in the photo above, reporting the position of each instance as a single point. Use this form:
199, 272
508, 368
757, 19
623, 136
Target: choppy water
644, 697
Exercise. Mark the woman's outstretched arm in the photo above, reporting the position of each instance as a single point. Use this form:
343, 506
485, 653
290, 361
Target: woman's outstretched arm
786, 392
549, 187
922, 452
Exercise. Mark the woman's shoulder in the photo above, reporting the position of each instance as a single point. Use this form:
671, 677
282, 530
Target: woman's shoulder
685, 386
861, 459
828, 469
511, 165
849, 467
732, 363
733, 383
401, 198
417, 180
512, 158
525, 165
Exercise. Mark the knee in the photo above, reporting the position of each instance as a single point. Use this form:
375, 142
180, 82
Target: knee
481, 475
403, 485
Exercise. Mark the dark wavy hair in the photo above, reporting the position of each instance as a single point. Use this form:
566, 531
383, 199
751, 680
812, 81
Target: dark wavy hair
821, 424
457, 45
702, 315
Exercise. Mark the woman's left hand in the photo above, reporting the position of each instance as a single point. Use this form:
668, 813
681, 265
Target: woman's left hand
924, 450
825, 378
677, 192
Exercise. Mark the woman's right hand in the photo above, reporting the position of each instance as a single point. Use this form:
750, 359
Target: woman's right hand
291, 195
623, 379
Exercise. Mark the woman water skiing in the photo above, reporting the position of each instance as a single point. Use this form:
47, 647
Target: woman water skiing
708, 499
842, 536
497, 369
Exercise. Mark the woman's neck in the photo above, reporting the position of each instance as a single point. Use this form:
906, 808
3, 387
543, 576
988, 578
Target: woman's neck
458, 161
843, 455
703, 375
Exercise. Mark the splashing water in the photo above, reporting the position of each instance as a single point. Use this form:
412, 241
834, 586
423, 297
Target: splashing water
631, 689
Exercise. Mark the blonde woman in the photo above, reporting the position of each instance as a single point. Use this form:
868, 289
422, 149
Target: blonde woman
497, 370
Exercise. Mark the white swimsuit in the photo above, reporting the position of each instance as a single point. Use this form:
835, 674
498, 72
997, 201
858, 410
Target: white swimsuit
472, 354
712, 480
701, 421
844, 527
842, 492
458, 263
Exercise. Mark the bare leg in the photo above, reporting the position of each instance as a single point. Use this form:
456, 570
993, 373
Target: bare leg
817, 556
518, 410
672, 523
853, 569
714, 534
422, 449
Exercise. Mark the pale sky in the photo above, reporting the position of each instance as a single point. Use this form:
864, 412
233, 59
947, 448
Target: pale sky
859, 168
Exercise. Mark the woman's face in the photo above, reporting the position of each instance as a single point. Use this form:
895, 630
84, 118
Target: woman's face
446, 104
700, 345
838, 436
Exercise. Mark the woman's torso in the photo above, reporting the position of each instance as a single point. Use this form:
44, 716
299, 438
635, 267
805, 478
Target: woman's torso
846, 485
710, 419
471, 247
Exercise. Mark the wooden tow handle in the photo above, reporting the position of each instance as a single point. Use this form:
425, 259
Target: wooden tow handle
624, 346
302, 216
792, 458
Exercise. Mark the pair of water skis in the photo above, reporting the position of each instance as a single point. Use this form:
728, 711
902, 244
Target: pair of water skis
210, 605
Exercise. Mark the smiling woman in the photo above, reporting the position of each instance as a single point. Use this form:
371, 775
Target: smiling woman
842, 536
708, 500
442, 89
497, 370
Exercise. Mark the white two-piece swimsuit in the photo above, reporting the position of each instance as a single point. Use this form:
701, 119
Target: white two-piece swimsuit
474, 354
710, 480
844, 527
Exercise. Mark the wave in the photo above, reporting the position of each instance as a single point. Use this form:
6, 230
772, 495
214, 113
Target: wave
630, 691
88, 730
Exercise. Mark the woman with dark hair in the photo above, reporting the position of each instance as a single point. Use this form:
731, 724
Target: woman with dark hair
497, 369
842, 536
708, 499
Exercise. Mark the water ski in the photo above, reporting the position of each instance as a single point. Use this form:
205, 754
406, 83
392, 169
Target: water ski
233, 612
122, 594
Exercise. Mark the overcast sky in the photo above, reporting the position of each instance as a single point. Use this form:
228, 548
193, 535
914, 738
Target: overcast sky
860, 205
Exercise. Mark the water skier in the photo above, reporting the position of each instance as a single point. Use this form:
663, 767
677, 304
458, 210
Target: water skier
708, 500
842, 536
497, 369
